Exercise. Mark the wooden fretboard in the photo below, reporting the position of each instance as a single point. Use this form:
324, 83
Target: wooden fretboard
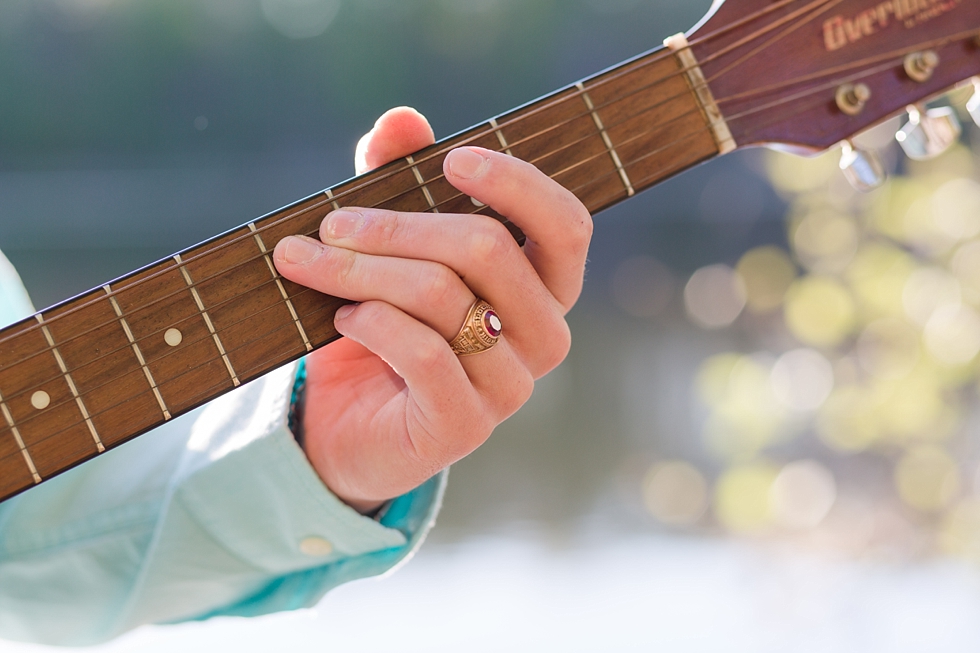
91, 373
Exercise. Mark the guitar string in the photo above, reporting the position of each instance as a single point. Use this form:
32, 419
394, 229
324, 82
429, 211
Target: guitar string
600, 154
778, 37
617, 195
288, 325
271, 281
182, 290
627, 68
685, 93
935, 43
287, 217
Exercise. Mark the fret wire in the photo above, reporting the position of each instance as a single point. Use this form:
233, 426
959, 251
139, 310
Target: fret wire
608, 141
330, 196
603, 154
628, 67
137, 351
7, 415
148, 335
292, 216
333, 197
581, 187
422, 184
205, 338
206, 392
609, 199
617, 194
500, 136
685, 93
71, 383
456, 197
207, 319
739, 116
282, 289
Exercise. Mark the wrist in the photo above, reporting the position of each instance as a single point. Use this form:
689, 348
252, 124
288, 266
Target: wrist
297, 424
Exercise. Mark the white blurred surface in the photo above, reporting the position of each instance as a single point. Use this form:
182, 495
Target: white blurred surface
640, 594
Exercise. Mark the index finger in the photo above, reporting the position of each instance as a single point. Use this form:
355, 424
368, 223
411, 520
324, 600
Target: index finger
558, 227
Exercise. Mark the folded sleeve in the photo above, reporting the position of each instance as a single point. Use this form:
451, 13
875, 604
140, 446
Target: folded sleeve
217, 513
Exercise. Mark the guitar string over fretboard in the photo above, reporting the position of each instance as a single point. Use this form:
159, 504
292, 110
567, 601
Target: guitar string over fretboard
93, 372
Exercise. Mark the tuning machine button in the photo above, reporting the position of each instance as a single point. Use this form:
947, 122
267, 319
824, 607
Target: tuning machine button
920, 65
929, 133
862, 168
852, 98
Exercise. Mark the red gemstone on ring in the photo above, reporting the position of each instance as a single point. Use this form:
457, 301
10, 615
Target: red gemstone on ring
492, 324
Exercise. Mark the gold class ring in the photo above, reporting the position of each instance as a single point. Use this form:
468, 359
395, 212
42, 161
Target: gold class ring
481, 330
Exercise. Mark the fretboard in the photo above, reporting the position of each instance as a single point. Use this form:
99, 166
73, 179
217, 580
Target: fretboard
91, 373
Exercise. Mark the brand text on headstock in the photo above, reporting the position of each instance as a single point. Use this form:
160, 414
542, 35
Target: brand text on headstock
841, 31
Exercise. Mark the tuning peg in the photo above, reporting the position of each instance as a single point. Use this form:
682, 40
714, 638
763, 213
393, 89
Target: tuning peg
929, 133
862, 168
973, 106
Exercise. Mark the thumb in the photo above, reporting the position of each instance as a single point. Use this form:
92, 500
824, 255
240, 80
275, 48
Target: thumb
397, 133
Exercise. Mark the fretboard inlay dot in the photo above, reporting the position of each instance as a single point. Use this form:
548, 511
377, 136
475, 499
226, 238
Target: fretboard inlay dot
173, 337
40, 400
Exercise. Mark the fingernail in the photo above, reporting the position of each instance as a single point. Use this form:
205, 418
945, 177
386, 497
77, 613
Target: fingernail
467, 164
344, 224
300, 250
344, 311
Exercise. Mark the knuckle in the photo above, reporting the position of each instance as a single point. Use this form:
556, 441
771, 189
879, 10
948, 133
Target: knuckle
516, 392
558, 347
344, 266
391, 228
491, 243
579, 223
430, 356
436, 285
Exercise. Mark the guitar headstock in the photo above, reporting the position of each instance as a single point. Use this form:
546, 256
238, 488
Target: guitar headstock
811, 73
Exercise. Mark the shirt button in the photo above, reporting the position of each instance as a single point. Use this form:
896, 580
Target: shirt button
316, 547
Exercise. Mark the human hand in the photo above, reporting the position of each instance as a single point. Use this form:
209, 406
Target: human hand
392, 405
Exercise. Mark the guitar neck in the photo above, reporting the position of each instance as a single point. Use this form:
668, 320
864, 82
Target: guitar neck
91, 373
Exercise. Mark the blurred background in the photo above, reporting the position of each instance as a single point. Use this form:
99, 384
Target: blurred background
765, 437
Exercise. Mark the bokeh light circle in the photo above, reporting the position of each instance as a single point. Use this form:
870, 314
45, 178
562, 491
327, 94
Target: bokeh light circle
927, 478
803, 494
952, 334
676, 493
819, 311
767, 273
714, 296
802, 379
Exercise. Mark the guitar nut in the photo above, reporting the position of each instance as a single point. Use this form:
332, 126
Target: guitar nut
851, 98
919, 66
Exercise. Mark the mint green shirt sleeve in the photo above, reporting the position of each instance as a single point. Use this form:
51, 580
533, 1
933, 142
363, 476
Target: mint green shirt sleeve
215, 513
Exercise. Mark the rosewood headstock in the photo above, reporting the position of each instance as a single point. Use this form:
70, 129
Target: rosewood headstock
811, 73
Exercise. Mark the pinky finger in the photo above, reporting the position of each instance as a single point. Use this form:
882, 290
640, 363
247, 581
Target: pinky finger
435, 378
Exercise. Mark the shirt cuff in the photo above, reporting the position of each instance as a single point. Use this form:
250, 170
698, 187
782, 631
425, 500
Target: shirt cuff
259, 497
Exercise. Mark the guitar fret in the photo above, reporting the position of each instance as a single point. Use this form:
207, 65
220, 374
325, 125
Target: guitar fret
282, 289
207, 319
7, 415
138, 352
71, 384
421, 180
630, 192
329, 194
500, 136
